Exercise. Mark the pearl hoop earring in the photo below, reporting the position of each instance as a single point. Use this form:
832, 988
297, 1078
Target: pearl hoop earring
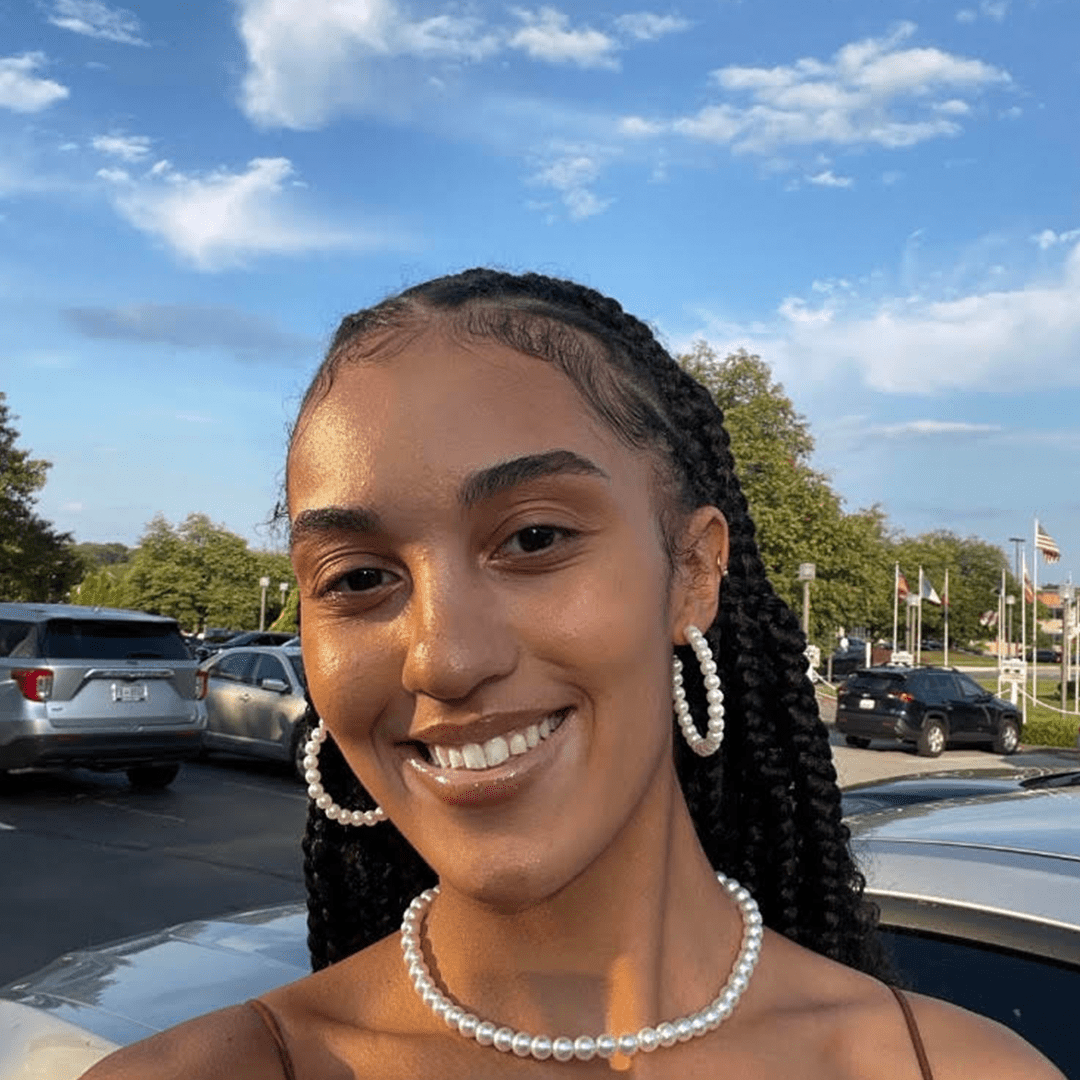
708, 744
318, 793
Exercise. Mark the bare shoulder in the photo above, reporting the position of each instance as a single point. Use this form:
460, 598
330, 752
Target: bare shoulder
964, 1046
233, 1044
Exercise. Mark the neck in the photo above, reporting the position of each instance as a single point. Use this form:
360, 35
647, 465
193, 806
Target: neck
643, 935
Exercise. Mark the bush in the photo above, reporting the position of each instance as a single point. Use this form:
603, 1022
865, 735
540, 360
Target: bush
1046, 728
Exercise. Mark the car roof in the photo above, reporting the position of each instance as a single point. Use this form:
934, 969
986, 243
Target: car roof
994, 864
40, 612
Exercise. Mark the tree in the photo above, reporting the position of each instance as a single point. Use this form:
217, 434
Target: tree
198, 572
799, 518
36, 562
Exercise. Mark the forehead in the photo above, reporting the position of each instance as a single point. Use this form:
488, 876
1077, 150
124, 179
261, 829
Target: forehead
435, 410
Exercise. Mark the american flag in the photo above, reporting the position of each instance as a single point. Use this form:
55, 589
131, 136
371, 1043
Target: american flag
1045, 543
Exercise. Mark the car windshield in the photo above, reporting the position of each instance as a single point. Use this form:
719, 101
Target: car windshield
297, 662
109, 639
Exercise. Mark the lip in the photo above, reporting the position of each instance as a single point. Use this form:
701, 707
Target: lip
488, 787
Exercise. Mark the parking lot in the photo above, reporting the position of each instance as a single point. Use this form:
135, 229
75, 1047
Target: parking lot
87, 859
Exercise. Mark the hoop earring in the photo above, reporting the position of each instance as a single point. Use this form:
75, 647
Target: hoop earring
318, 793
708, 744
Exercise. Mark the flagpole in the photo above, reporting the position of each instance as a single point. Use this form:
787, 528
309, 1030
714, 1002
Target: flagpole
895, 602
945, 603
1035, 614
1023, 625
1001, 624
918, 623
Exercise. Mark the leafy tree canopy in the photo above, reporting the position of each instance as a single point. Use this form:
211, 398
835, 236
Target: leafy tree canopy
37, 563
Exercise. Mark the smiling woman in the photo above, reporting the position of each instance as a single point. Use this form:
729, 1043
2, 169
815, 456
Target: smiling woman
511, 514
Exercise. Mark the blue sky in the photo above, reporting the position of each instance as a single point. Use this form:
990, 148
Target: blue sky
880, 198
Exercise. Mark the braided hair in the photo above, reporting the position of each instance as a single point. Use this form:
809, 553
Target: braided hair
766, 808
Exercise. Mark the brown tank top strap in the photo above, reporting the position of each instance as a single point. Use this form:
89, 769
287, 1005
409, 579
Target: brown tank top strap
913, 1031
270, 1021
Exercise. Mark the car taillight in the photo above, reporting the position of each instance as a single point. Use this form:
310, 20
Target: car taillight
35, 684
200, 685
901, 695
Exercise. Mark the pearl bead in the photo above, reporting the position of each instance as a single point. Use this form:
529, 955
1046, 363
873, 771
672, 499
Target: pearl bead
683, 1029
668, 1035
648, 1039
584, 1048
606, 1045
503, 1039
628, 1045
521, 1043
540, 1047
485, 1033
562, 1049
468, 1024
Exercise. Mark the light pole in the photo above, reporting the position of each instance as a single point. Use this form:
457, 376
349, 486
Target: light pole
807, 573
1009, 602
1018, 546
264, 584
284, 587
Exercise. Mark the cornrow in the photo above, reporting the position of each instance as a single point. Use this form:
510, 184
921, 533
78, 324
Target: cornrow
767, 808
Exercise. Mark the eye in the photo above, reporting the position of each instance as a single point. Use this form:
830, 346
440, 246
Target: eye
362, 579
534, 538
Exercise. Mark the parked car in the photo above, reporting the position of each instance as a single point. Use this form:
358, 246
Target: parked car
918, 788
212, 639
98, 688
979, 901
255, 703
929, 707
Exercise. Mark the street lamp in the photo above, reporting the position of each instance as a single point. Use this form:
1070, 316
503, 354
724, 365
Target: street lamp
264, 584
1009, 602
284, 587
807, 573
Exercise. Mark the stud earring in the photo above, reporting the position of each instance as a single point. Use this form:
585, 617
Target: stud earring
708, 744
318, 793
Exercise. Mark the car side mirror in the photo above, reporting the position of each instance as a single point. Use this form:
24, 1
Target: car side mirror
276, 685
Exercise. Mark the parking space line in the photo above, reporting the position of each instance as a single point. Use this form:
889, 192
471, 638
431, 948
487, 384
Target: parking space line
144, 813
5, 825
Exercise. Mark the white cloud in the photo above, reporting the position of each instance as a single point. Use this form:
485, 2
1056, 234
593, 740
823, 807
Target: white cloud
923, 428
97, 20
125, 147
645, 26
220, 219
986, 339
571, 175
310, 61
828, 178
21, 90
966, 15
546, 35
1048, 238
878, 91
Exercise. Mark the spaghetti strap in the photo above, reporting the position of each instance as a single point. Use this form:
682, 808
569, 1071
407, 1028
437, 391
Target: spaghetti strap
270, 1021
913, 1031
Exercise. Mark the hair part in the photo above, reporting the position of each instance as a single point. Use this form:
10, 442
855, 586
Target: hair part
766, 808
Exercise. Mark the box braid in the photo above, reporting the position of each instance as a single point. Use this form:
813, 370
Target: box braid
766, 808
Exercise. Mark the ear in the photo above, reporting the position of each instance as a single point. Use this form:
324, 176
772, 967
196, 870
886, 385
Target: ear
702, 559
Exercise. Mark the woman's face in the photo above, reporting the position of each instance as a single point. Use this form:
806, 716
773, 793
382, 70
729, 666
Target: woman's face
488, 610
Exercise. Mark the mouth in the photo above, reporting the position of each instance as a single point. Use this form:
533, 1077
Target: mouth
478, 757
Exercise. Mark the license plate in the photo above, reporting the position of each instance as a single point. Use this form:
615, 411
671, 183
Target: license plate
130, 692
866, 703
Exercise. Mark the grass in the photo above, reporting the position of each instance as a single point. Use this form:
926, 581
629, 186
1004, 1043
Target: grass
1045, 725
957, 659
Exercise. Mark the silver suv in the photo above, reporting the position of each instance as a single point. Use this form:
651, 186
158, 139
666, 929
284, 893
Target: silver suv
97, 688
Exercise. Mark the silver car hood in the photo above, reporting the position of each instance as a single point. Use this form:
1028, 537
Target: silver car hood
128, 990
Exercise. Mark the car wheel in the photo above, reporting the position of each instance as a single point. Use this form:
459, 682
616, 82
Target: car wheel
1008, 738
149, 777
932, 738
857, 740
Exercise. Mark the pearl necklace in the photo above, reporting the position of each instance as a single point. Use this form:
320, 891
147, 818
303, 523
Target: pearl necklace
584, 1047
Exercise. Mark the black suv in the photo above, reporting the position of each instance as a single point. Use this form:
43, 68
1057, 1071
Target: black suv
926, 706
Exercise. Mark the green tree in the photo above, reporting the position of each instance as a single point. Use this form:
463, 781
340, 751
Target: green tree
36, 562
198, 572
799, 518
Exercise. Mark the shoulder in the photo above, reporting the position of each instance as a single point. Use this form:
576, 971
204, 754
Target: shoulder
233, 1044
961, 1045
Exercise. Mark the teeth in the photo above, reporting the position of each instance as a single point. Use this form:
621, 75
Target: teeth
498, 749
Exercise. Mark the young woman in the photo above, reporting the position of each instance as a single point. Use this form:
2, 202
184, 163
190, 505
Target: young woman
519, 540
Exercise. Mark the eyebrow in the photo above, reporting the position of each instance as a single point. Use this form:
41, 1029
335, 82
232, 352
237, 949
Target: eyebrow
478, 486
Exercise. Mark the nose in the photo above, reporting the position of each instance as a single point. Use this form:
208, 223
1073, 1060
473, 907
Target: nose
458, 637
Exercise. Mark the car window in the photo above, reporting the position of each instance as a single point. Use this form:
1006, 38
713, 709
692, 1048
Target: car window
875, 682
235, 665
298, 666
270, 667
932, 687
111, 639
969, 688
1022, 992
12, 633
